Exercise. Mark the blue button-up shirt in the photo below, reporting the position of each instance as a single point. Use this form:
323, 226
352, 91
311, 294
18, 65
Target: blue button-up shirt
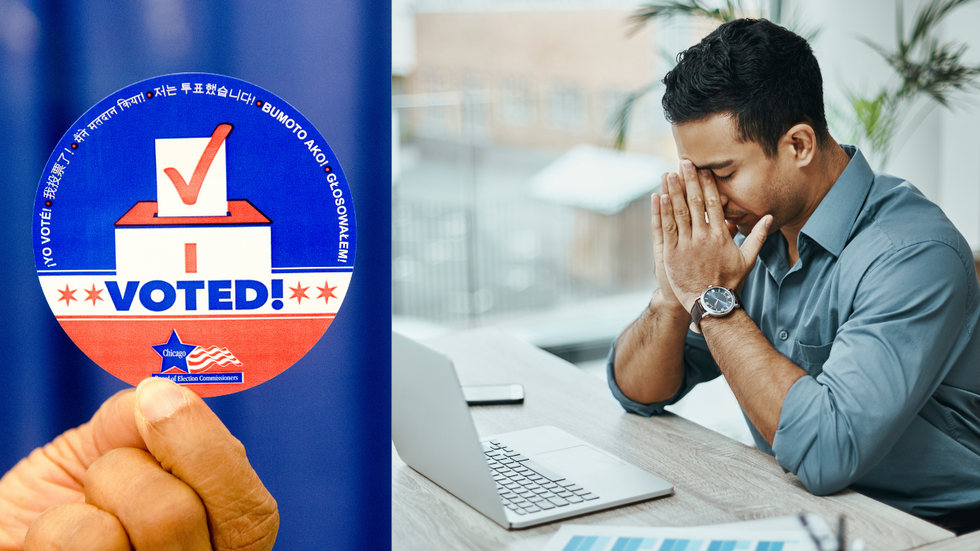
880, 310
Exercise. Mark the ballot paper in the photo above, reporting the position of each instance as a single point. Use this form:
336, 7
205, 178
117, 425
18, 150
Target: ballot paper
779, 534
194, 227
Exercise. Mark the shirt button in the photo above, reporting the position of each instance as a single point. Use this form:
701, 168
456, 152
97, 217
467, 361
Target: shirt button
783, 335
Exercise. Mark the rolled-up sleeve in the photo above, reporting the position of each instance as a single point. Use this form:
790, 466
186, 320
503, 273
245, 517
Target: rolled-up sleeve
699, 367
886, 360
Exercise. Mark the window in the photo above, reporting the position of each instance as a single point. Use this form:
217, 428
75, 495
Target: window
568, 107
516, 107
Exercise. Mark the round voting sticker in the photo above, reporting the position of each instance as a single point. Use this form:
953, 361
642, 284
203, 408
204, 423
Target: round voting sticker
194, 227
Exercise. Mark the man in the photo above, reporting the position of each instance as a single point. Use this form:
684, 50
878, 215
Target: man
154, 469
844, 320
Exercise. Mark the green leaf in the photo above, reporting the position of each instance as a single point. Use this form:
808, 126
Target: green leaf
690, 8
622, 118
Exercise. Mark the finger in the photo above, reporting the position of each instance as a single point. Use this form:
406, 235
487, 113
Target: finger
753, 243
682, 214
76, 527
157, 510
53, 474
656, 225
189, 441
712, 201
668, 225
695, 199
111, 427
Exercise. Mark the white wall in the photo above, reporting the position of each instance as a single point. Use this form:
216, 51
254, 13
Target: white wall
942, 158
959, 155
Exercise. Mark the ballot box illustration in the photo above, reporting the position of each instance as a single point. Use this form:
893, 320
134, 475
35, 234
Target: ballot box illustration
151, 245
193, 231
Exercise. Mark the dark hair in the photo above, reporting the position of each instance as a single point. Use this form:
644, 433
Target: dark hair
765, 76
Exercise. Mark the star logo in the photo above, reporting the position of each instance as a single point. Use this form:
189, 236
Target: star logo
67, 295
299, 292
174, 353
326, 292
93, 294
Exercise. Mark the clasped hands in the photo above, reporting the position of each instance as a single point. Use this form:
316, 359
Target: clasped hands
694, 251
154, 469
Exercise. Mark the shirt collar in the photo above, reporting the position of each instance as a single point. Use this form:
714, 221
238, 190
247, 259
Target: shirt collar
831, 224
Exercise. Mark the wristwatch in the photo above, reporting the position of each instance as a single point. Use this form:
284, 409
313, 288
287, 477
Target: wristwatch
715, 301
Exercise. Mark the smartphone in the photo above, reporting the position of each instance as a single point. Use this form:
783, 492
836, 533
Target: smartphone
493, 395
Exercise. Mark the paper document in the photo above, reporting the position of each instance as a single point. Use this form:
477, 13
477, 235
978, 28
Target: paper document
572, 537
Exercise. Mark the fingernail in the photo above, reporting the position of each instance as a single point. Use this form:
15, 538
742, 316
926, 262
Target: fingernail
688, 164
672, 178
158, 398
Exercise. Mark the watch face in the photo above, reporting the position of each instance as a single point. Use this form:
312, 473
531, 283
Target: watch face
717, 300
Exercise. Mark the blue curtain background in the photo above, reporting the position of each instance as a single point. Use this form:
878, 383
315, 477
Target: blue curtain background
318, 434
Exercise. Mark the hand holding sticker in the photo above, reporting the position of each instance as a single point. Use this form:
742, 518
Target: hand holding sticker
142, 471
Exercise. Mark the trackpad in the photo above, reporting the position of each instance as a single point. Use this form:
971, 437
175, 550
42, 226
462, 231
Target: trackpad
580, 460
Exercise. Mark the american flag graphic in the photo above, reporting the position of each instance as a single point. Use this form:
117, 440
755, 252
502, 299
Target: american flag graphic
202, 359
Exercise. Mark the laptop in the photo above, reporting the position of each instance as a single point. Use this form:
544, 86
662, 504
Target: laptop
518, 479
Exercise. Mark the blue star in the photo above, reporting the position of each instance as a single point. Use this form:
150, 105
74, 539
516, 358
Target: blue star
174, 353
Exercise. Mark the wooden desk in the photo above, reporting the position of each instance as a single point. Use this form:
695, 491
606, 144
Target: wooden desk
715, 479
966, 542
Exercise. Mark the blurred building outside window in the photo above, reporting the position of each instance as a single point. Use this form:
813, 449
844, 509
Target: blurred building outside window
492, 99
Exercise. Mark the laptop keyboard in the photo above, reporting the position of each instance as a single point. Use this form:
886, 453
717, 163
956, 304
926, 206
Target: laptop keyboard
528, 487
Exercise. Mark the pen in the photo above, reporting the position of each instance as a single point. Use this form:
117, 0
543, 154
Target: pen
806, 525
841, 539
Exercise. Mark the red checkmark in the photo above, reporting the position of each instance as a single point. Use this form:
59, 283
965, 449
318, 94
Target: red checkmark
189, 191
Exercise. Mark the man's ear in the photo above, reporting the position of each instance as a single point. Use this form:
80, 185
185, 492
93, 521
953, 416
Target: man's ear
800, 143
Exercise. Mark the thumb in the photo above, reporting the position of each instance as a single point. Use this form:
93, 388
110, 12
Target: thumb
190, 442
756, 238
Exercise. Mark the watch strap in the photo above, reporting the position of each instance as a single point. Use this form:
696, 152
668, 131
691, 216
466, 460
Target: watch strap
697, 312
